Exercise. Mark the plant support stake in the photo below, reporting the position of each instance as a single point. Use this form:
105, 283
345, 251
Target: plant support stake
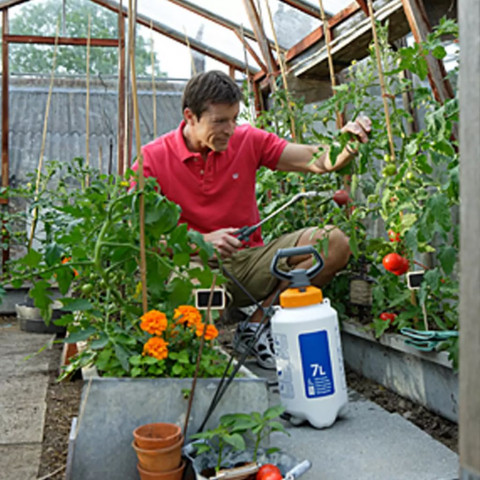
282, 70
199, 356
154, 88
141, 178
44, 136
87, 106
326, 35
382, 80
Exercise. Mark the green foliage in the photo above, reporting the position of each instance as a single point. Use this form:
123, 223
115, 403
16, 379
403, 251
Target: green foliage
88, 246
237, 430
42, 19
415, 193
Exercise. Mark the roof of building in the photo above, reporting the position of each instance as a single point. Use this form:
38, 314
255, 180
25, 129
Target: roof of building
66, 126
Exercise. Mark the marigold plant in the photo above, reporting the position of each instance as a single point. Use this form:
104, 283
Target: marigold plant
154, 322
156, 347
183, 335
211, 331
186, 314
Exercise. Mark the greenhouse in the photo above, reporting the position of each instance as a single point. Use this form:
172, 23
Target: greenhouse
239, 240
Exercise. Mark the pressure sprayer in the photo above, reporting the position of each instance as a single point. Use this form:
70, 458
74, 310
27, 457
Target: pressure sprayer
308, 350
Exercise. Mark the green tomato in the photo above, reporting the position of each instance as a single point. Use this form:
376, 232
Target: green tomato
87, 288
389, 170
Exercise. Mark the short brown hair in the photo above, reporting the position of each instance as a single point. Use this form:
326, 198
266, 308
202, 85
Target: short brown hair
209, 87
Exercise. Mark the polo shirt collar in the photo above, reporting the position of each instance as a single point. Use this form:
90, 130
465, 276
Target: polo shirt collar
183, 152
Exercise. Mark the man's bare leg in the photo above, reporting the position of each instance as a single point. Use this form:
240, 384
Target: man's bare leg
337, 257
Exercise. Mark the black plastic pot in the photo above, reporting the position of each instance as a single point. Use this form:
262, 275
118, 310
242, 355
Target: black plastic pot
30, 320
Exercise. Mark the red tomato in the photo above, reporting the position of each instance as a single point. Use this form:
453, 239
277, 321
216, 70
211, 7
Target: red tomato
393, 236
395, 263
405, 265
388, 317
340, 197
269, 472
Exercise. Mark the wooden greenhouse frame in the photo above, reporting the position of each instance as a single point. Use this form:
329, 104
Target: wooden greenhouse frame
307, 63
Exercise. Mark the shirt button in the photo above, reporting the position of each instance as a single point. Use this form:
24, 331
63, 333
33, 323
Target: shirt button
201, 172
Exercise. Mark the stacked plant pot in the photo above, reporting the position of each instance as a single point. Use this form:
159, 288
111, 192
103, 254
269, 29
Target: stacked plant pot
159, 450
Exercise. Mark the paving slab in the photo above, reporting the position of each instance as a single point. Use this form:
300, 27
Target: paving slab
21, 389
22, 423
15, 341
17, 365
19, 462
367, 443
24, 381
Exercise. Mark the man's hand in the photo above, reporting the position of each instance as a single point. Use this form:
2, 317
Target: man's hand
224, 241
298, 158
360, 128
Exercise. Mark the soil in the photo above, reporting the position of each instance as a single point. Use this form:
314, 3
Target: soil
63, 403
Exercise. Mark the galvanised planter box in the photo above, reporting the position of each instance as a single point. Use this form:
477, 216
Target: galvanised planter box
111, 408
426, 378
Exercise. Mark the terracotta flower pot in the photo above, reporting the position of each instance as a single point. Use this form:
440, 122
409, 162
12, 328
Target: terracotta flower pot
157, 435
176, 474
160, 459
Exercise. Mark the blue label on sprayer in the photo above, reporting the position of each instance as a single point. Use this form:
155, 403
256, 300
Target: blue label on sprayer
316, 364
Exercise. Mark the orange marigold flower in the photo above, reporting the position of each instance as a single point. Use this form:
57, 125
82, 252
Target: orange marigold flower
154, 322
187, 314
156, 347
210, 333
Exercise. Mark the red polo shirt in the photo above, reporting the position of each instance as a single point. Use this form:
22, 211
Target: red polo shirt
219, 192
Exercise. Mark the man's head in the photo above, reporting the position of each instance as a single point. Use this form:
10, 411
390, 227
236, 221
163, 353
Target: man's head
211, 103
207, 88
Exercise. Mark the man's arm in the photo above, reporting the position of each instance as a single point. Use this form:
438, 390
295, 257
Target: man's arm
298, 158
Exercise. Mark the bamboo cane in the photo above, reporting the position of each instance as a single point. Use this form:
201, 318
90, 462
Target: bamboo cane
100, 154
247, 75
141, 178
87, 105
154, 87
282, 70
44, 136
327, 36
382, 81
192, 61
199, 356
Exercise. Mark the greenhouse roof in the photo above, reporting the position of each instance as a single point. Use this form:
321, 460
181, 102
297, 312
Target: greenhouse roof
226, 31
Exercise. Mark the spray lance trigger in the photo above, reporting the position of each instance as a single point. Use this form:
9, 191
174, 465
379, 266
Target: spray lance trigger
298, 278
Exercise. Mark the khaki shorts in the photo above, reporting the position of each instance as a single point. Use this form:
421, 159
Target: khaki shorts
251, 267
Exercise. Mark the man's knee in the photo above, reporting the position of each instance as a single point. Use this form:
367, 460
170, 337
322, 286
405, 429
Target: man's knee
340, 246
338, 251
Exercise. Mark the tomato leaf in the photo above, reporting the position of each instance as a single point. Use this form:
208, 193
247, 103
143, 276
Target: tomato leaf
447, 257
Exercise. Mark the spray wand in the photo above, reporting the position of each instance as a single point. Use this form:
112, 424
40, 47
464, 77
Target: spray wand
245, 232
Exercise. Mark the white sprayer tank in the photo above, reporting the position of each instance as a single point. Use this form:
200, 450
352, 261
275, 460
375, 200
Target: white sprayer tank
309, 356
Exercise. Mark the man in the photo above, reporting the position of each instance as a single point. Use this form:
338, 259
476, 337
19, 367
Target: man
208, 166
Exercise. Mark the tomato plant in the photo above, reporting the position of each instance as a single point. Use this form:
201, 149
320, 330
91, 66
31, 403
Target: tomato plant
239, 429
388, 317
395, 263
89, 248
340, 197
412, 191
393, 236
